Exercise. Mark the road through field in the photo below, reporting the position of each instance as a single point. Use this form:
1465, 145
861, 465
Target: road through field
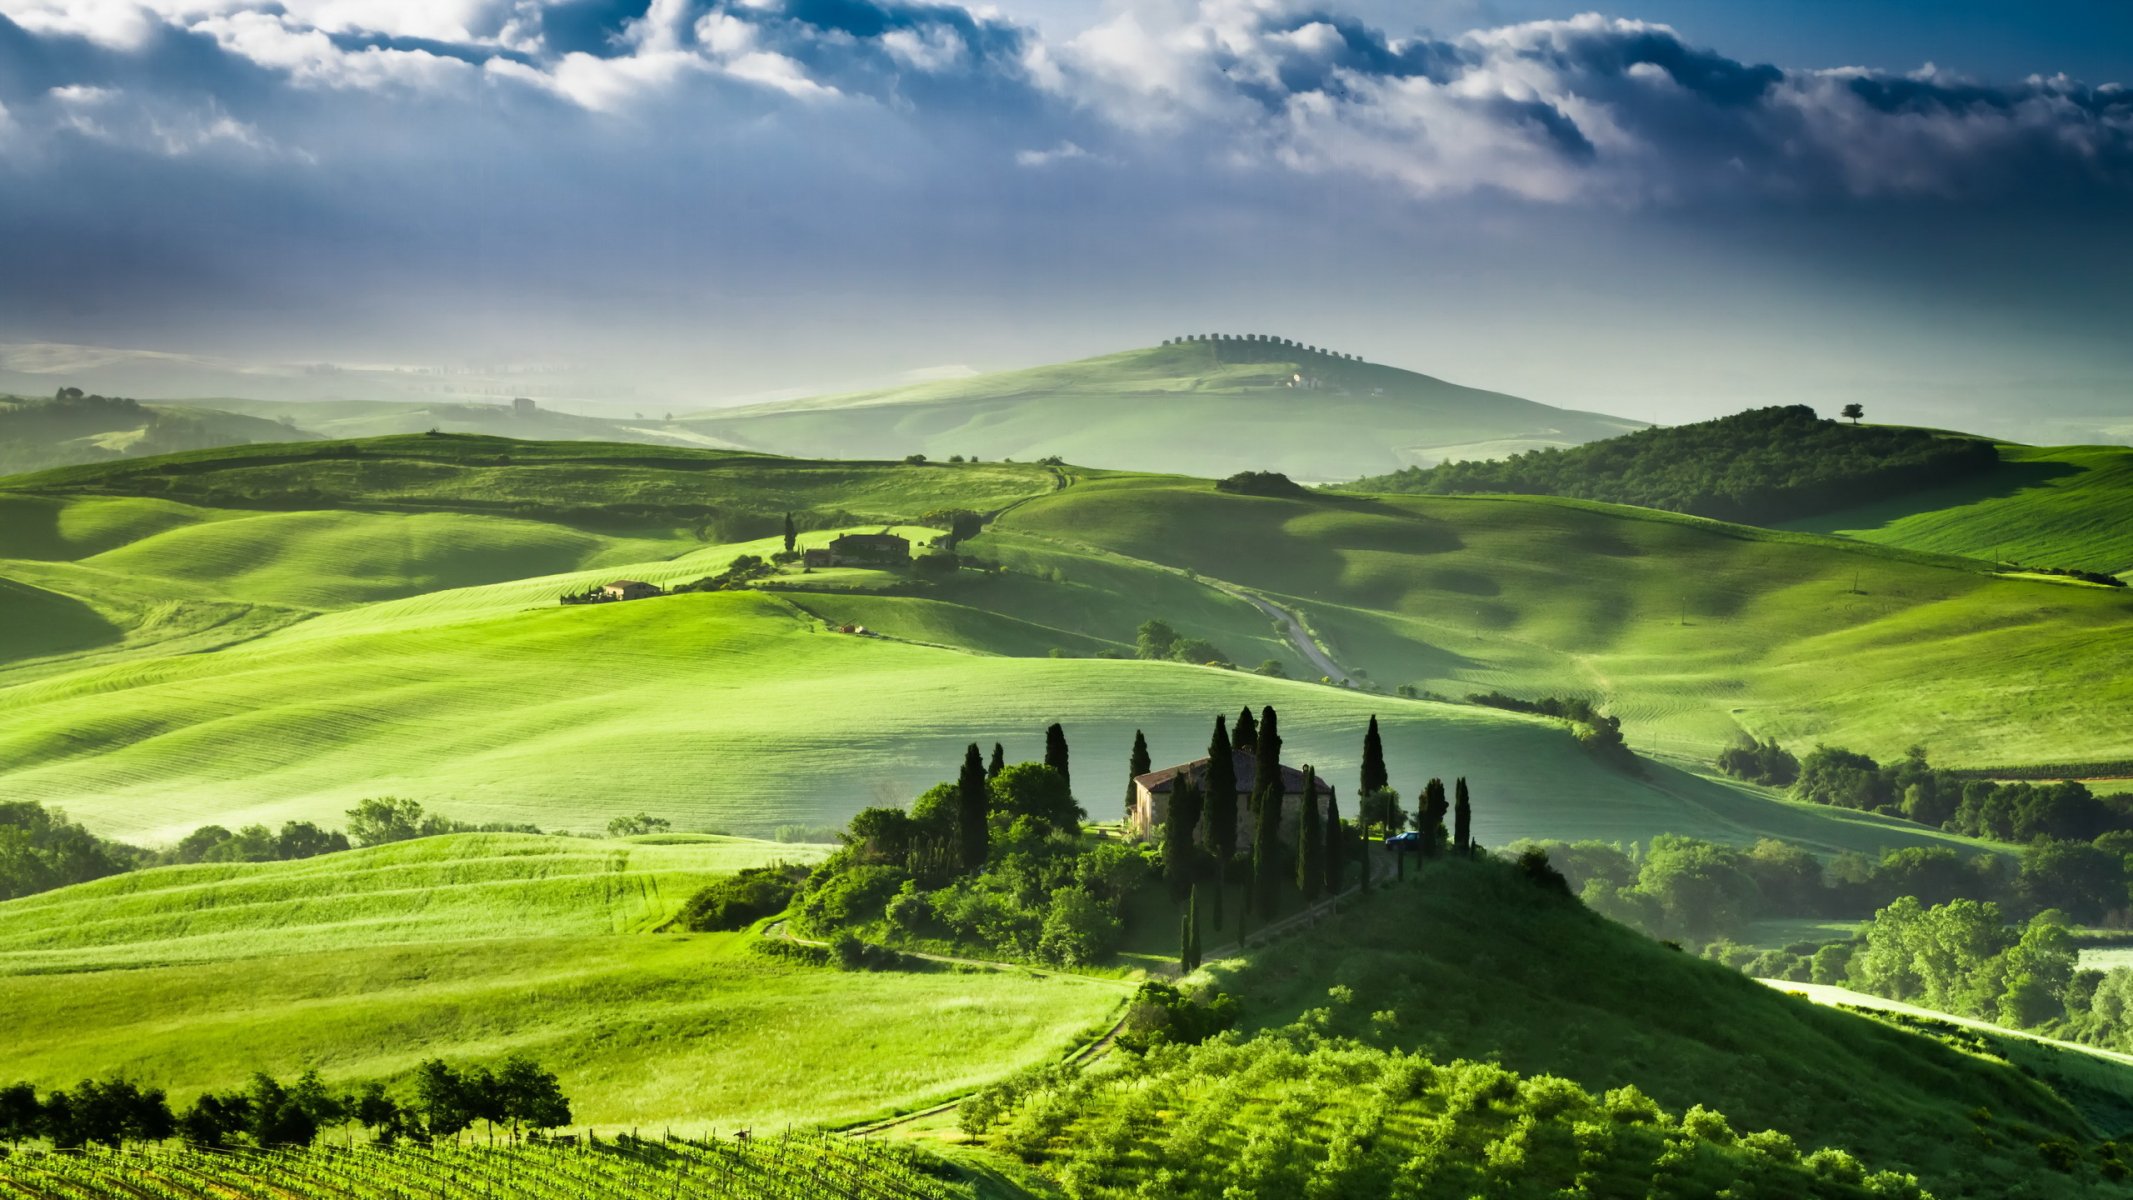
1821, 993
1299, 637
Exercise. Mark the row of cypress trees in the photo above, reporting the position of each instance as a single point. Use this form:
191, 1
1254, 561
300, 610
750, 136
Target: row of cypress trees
974, 798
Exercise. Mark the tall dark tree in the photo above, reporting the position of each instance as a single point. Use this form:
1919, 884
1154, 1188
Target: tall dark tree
1246, 733
1137, 765
973, 802
20, 1114
1180, 857
1267, 858
998, 763
1266, 760
1335, 855
792, 534
1218, 817
1374, 777
1055, 752
1429, 817
1462, 820
1189, 933
1310, 842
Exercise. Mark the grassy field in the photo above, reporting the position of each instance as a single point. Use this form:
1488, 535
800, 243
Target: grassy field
1692, 631
2045, 506
475, 946
1175, 408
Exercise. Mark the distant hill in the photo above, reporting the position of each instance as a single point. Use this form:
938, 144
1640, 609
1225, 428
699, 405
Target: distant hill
1203, 407
72, 427
1759, 466
2039, 506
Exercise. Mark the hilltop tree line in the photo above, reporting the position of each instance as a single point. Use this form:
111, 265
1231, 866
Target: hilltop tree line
1759, 466
41, 849
48, 433
1911, 787
518, 1095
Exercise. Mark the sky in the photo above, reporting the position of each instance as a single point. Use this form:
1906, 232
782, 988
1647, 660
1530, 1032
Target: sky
1665, 211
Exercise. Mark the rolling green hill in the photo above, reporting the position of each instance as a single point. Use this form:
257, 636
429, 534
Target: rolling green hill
2045, 506
39, 433
1690, 630
1200, 407
363, 963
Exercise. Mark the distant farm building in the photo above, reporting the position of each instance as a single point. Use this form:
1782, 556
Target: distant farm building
522, 407
869, 550
817, 557
629, 589
1150, 795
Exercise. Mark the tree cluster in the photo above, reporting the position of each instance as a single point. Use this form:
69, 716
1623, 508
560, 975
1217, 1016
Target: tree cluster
1759, 466
383, 819
741, 899
1596, 731
1263, 483
1760, 762
2018, 812
1158, 640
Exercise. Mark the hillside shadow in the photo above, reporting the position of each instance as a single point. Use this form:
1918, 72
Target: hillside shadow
35, 623
2007, 479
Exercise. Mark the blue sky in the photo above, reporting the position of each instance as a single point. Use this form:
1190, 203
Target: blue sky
1665, 211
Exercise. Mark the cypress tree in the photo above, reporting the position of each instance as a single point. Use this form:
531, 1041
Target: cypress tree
1189, 933
1137, 765
792, 534
1430, 817
1219, 807
1462, 820
973, 802
1334, 856
999, 761
1246, 734
1310, 842
1374, 777
1266, 851
1178, 825
1055, 753
1266, 760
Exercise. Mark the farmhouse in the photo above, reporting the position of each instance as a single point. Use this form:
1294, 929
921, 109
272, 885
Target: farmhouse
817, 557
1150, 795
869, 550
629, 589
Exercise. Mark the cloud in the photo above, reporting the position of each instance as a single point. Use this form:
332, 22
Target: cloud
1063, 152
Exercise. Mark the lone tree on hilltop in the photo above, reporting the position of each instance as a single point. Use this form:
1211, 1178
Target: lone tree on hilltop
1055, 752
1852, 412
1219, 812
973, 802
1462, 819
1374, 777
998, 763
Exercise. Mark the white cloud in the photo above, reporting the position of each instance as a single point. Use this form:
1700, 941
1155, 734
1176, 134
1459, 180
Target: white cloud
1063, 152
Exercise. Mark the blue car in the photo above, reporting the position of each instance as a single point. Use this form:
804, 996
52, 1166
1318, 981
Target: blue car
1405, 843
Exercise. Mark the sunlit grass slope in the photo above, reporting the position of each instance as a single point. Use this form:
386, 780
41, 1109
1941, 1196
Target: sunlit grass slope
472, 947
452, 888
737, 710
2046, 506
1689, 629
1178, 408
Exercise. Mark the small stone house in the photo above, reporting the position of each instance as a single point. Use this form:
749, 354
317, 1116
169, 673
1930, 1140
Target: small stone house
869, 550
1150, 796
629, 589
820, 556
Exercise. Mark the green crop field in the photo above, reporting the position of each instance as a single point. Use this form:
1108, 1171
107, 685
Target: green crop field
1690, 630
1175, 408
362, 964
2045, 506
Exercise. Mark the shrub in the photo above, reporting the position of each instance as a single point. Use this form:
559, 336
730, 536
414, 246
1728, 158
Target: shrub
741, 899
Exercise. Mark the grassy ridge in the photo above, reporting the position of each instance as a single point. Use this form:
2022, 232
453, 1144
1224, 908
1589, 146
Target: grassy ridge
1690, 630
2047, 506
474, 946
1181, 408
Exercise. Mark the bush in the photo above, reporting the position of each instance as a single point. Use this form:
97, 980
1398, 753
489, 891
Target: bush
1078, 928
1760, 762
741, 899
1164, 1015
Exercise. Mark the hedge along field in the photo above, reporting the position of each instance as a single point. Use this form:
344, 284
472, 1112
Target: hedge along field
451, 888
1691, 630
736, 710
471, 947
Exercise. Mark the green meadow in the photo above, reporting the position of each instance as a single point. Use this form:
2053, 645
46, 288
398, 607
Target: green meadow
2044, 506
362, 964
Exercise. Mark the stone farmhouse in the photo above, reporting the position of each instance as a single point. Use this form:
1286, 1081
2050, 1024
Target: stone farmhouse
630, 589
861, 550
1150, 795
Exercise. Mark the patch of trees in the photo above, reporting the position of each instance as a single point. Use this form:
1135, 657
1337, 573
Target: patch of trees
384, 819
2017, 811
1596, 731
1759, 466
1158, 640
994, 860
1760, 762
743, 570
1263, 483
518, 1095
2068, 573
40, 849
741, 899
1964, 957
